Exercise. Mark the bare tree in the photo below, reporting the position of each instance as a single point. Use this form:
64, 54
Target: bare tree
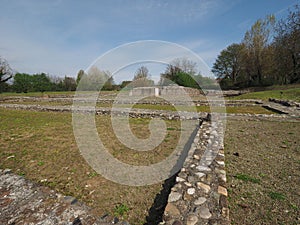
6, 72
142, 78
185, 65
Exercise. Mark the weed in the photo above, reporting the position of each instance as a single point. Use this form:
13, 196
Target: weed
276, 195
41, 163
121, 209
93, 174
262, 175
171, 128
294, 207
21, 173
246, 177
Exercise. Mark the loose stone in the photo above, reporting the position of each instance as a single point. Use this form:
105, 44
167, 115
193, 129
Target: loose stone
196, 157
204, 187
221, 163
179, 179
222, 190
204, 213
192, 220
188, 184
200, 201
171, 210
174, 196
191, 191
203, 168
199, 174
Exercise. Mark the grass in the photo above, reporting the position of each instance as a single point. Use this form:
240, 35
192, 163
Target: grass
263, 181
246, 177
41, 145
287, 94
229, 109
276, 196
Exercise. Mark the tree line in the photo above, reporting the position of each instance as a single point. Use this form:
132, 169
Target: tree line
269, 54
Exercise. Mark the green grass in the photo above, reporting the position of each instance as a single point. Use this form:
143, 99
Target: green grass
121, 210
288, 94
276, 195
246, 177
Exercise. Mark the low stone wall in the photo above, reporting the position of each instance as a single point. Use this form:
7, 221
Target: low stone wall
128, 100
288, 103
133, 113
200, 195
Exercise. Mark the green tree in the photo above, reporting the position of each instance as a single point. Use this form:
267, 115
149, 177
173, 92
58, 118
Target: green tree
228, 64
182, 72
79, 76
40, 82
22, 82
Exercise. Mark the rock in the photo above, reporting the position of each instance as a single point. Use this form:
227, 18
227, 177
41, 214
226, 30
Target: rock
196, 157
71, 200
222, 191
171, 210
77, 221
177, 223
199, 174
200, 201
203, 168
7, 171
205, 213
174, 196
204, 187
221, 163
236, 154
191, 191
191, 220
188, 184
179, 179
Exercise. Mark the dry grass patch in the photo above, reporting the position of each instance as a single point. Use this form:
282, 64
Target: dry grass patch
41, 147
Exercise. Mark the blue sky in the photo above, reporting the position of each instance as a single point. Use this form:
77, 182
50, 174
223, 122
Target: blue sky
60, 37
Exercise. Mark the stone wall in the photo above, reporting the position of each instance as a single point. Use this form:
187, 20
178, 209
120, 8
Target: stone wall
200, 195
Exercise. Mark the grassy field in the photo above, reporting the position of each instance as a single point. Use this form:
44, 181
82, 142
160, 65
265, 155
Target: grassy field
263, 180
41, 147
287, 94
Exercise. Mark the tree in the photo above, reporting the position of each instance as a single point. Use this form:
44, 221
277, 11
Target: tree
79, 76
256, 40
287, 48
69, 84
6, 72
40, 83
228, 64
182, 72
22, 82
185, 65
142, 78
96, 79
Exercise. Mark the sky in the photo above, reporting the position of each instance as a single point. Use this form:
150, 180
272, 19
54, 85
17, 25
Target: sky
60, 37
